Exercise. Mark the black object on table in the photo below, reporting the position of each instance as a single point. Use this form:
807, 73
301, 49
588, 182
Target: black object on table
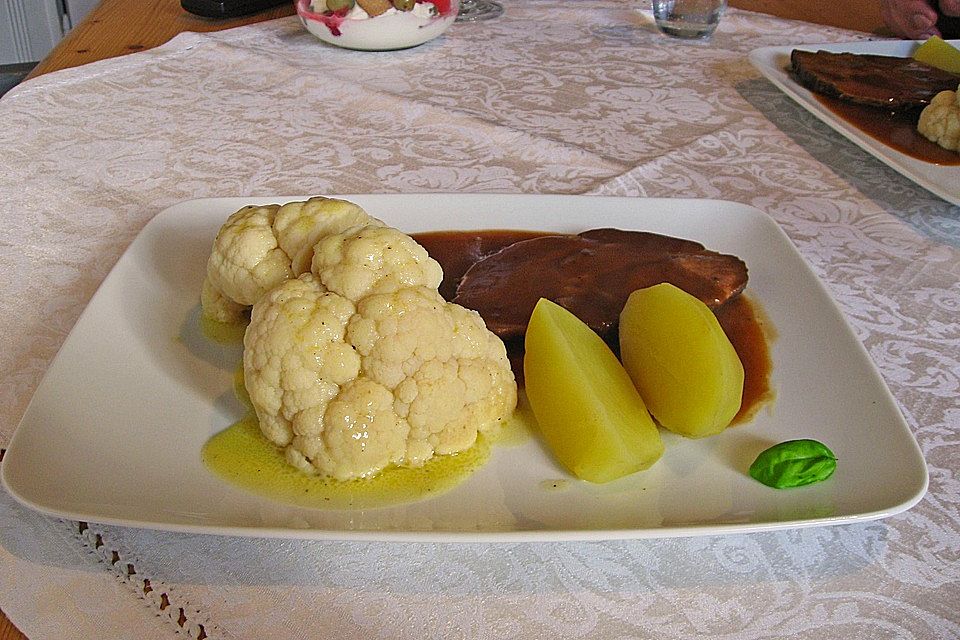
227, 8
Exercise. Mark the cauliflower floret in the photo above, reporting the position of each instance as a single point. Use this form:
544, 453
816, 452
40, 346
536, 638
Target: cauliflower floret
360, 435
217, 306
295, 357
940, 120
349, 390
373, 259
450, 376
246, 260
259, 247
299, 225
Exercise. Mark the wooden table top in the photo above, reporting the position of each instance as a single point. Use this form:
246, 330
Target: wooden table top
118, 27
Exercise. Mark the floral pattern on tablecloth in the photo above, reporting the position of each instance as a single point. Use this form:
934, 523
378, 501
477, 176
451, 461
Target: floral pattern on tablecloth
579, 97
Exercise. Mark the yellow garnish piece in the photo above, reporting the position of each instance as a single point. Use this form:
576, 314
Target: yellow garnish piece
936, 52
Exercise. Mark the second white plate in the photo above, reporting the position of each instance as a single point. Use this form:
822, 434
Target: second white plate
774, 63
115, 429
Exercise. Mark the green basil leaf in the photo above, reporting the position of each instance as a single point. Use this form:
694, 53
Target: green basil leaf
794, 463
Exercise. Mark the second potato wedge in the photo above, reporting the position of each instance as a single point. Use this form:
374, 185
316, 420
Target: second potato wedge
683, 364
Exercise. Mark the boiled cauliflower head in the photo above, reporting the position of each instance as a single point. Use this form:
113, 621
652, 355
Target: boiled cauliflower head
940, 120
259, 247
348, 387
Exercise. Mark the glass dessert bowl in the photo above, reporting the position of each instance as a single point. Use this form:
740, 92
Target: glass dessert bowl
377, 25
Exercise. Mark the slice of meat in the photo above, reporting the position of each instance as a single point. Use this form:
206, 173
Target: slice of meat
592, 274
896, 84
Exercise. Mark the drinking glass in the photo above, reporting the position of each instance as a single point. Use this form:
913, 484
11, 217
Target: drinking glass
473, 10
689, 19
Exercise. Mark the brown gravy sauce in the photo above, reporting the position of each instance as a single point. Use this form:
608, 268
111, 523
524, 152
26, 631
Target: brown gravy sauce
741, 319
896, 130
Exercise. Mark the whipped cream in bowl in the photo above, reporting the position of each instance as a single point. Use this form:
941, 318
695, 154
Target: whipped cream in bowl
377, 25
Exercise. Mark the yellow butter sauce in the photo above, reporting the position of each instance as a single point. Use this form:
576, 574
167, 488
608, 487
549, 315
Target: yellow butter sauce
242, 456
222, 332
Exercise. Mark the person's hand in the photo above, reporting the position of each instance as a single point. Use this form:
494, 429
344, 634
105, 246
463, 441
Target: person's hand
915, 19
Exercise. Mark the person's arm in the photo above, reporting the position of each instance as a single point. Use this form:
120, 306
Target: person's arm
918, 20
949, 22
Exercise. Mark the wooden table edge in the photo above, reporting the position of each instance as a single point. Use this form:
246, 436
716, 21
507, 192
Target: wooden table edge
119, 27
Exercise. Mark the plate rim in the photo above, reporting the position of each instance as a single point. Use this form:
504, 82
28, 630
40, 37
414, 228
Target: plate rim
431, 535
763, 60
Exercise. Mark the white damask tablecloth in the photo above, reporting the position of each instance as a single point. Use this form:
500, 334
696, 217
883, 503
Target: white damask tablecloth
572, 97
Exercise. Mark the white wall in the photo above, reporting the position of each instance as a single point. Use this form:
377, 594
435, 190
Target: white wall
77, 9
29, 29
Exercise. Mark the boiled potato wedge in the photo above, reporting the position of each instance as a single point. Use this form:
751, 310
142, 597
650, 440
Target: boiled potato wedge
937, 52
686, 370
586, 406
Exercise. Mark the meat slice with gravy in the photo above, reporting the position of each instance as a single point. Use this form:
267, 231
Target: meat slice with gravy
591, 274
886, 82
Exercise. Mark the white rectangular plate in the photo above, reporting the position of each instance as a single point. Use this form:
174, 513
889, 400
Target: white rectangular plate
774, 62
114, 432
